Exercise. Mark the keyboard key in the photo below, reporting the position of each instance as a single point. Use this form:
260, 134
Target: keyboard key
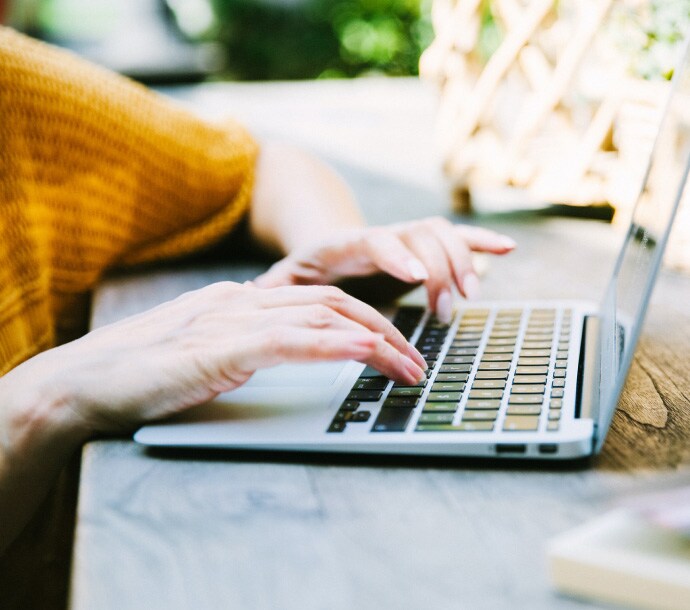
343, 415
533, 362
461, 351
491, 375
349, 405
401, 401
436, 418
452, 377
557, 393
484, 403
468, 336
529, 379
361, 416
444, 386
526, 399
555, 415
489, 384
455, 368
474, 327
458, 360
558, 383
365, 395
528, 389
392, 419
527, 344
470, 426
421, 384
371, 383
513, 325
465, 343
532, 370
405, 391
337, 426
371, 372
503, 334
535, 353
539, 328
553, 426
440, 407
497, 357
475, 313
559, 374
444, 396
481, 415
524, 409
556, 403
504, 342
521, 423
494, 366
499, 349
562, 354
484, 394
561, 364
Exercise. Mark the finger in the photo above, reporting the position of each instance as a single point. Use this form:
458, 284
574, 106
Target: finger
284, 273
485, 240
389, 254
310, 316
345, 305
293, 344
424, 243
459, 258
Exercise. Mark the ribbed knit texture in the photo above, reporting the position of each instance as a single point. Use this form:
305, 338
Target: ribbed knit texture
96, 172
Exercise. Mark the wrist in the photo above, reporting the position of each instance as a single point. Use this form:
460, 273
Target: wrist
37, 413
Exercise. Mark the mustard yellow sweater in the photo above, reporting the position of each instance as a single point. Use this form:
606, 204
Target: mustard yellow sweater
96, 171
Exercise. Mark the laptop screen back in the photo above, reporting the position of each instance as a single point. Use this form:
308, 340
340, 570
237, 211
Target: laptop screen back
630, 287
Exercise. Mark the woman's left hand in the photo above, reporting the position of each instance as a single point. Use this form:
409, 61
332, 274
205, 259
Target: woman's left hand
433, 251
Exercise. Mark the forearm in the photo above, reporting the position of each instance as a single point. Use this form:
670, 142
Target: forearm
298, 200
38, 434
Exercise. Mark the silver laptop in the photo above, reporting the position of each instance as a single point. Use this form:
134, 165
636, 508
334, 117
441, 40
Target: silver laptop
517, 379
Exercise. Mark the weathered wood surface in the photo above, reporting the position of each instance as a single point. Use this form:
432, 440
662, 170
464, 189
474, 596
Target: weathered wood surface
201, 530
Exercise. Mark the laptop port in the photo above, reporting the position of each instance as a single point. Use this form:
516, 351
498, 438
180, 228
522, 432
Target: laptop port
511, 448
548, 448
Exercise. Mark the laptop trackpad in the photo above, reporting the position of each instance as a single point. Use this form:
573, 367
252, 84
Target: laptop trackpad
320, 374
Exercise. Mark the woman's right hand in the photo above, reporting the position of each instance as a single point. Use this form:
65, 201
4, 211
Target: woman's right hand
187, 351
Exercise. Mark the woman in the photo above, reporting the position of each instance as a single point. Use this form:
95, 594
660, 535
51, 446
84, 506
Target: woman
96, 173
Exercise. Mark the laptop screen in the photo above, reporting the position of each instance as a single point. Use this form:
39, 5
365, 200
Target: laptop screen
625, 302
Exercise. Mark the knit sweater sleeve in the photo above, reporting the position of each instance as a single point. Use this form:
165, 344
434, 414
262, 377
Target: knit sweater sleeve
96, 171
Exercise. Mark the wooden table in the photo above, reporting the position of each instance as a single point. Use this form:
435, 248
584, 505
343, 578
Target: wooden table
225, 530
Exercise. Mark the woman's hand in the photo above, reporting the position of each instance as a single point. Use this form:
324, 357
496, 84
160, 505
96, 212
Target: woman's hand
189, 350
433, 251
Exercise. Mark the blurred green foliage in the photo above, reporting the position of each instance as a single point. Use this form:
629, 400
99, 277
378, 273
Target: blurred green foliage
652, 35
290, 39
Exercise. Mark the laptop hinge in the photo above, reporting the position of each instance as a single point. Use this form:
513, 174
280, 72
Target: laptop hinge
589, 369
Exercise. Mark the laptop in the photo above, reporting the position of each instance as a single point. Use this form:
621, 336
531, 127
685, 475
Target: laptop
537, 379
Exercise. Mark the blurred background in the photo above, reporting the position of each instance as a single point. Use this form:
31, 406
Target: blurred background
533, 102
166, 41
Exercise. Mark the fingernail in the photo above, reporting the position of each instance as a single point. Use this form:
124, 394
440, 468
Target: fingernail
506, 242
470, 286
417, 270
444, 306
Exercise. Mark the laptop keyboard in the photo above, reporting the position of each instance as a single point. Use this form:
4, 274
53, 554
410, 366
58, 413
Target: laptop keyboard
493, 370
